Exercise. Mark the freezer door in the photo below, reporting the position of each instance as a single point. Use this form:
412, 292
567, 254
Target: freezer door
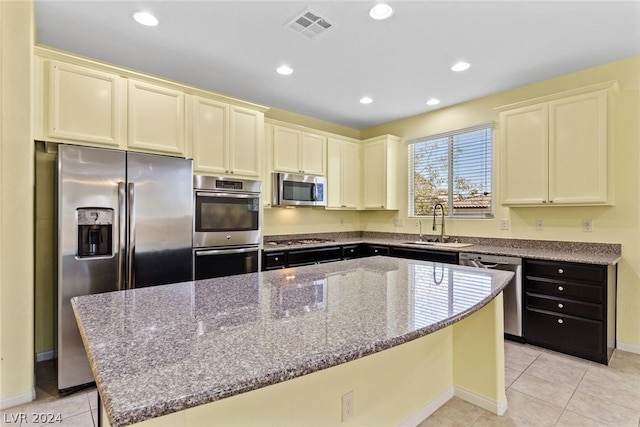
88, 181
160, 202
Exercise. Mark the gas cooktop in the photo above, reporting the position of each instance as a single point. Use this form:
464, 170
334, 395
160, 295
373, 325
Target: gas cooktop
292, 242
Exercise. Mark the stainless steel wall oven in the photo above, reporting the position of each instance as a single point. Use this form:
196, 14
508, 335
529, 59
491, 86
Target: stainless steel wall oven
226, 226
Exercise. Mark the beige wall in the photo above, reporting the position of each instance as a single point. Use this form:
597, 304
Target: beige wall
16, 204
615, 224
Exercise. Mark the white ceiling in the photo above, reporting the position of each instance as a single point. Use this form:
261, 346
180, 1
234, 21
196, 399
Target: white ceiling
234, 47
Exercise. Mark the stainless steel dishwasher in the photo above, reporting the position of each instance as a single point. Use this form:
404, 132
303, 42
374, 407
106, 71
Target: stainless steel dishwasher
512, 294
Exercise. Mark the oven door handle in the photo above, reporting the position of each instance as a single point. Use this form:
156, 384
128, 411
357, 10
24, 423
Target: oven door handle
234, 195
226, 251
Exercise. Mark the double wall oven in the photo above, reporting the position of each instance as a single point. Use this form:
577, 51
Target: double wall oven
226, 226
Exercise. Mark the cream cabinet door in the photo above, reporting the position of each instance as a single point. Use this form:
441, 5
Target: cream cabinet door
286, 149
86, 105
245, 144
156, 118
267, 172
375, 175
210, 136
578, 149
350, 175
524, 146
334, 174
313, 154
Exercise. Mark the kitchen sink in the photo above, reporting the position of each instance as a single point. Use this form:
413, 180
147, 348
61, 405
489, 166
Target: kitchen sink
441, 245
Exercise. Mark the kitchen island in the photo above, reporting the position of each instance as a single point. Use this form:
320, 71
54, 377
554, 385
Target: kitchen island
283, 347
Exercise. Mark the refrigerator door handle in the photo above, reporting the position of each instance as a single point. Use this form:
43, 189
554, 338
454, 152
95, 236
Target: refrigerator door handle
132, 234
122, 234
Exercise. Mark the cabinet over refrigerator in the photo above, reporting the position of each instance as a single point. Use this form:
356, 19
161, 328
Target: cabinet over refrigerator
124, 221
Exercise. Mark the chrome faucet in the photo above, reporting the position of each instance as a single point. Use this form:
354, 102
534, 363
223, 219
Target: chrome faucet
435, 208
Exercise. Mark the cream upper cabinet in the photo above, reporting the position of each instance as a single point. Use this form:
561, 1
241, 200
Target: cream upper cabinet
343, 174
557, 152
156, 118
226, 139
380, 173
267, 180
525, 154
245, 141
578, 149
84, 105
298, 152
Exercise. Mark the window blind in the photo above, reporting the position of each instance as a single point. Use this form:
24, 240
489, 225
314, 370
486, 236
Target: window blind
454, 169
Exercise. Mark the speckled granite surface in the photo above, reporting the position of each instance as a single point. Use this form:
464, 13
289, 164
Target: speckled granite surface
162, 349
589, 253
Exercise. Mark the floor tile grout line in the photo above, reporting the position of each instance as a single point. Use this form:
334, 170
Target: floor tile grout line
575, 389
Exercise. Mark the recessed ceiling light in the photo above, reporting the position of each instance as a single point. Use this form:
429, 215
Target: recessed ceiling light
460, 66
285, 70
145, 18
381, 11
366, 100
433, 101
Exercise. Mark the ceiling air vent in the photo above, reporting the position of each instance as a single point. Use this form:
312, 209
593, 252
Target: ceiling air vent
310, 24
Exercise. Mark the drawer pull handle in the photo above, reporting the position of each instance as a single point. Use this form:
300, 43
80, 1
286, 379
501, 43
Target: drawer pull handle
560, 321
560, 305
560, 288
560, 271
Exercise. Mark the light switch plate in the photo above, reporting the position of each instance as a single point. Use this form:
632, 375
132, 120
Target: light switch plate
539, 225
504, 224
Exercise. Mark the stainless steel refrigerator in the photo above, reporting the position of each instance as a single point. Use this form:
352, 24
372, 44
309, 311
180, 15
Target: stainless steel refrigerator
124, 221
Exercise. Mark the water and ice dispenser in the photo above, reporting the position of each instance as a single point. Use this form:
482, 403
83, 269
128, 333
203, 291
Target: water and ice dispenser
95, 232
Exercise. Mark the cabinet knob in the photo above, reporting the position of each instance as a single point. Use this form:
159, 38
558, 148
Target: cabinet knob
343, 206
560, 271
560, 321
550, 201
560, 305
351, 250
560, 288
226, 171
382, 206
544, 201
375, 251
276, 258
231, 171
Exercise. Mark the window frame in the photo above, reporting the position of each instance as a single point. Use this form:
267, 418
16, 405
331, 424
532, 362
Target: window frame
411, 167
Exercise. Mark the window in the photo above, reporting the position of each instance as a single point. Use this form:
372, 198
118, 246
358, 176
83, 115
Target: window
453, 169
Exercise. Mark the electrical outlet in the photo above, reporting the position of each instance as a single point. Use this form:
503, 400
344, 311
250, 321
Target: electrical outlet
341, 221
539, 225
398, 222
504, 224
587, 225
347, 406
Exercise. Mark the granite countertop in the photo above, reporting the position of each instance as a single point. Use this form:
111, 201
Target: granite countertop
581, 252
162, 349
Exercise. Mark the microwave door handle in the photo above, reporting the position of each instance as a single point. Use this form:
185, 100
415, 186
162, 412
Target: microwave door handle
314, 192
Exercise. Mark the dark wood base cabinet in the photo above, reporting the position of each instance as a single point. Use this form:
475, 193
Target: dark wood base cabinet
570, 307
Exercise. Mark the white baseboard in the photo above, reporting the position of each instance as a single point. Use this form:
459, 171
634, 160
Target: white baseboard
631, 348
17, 399
498, 408
45, 355
421, 414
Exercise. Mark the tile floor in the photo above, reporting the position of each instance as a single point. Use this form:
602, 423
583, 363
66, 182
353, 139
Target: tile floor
76, 410
544, 388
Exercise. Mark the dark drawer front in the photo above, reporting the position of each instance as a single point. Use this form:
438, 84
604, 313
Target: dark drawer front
581, 337
353, 251
566, 271
425, 255
313, 256
274, 260
373, 250
583, 292
564, 306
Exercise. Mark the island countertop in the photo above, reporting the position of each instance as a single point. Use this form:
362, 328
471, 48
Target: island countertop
162, 349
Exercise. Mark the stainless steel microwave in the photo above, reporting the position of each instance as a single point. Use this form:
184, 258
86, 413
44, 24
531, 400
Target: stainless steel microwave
298, 190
